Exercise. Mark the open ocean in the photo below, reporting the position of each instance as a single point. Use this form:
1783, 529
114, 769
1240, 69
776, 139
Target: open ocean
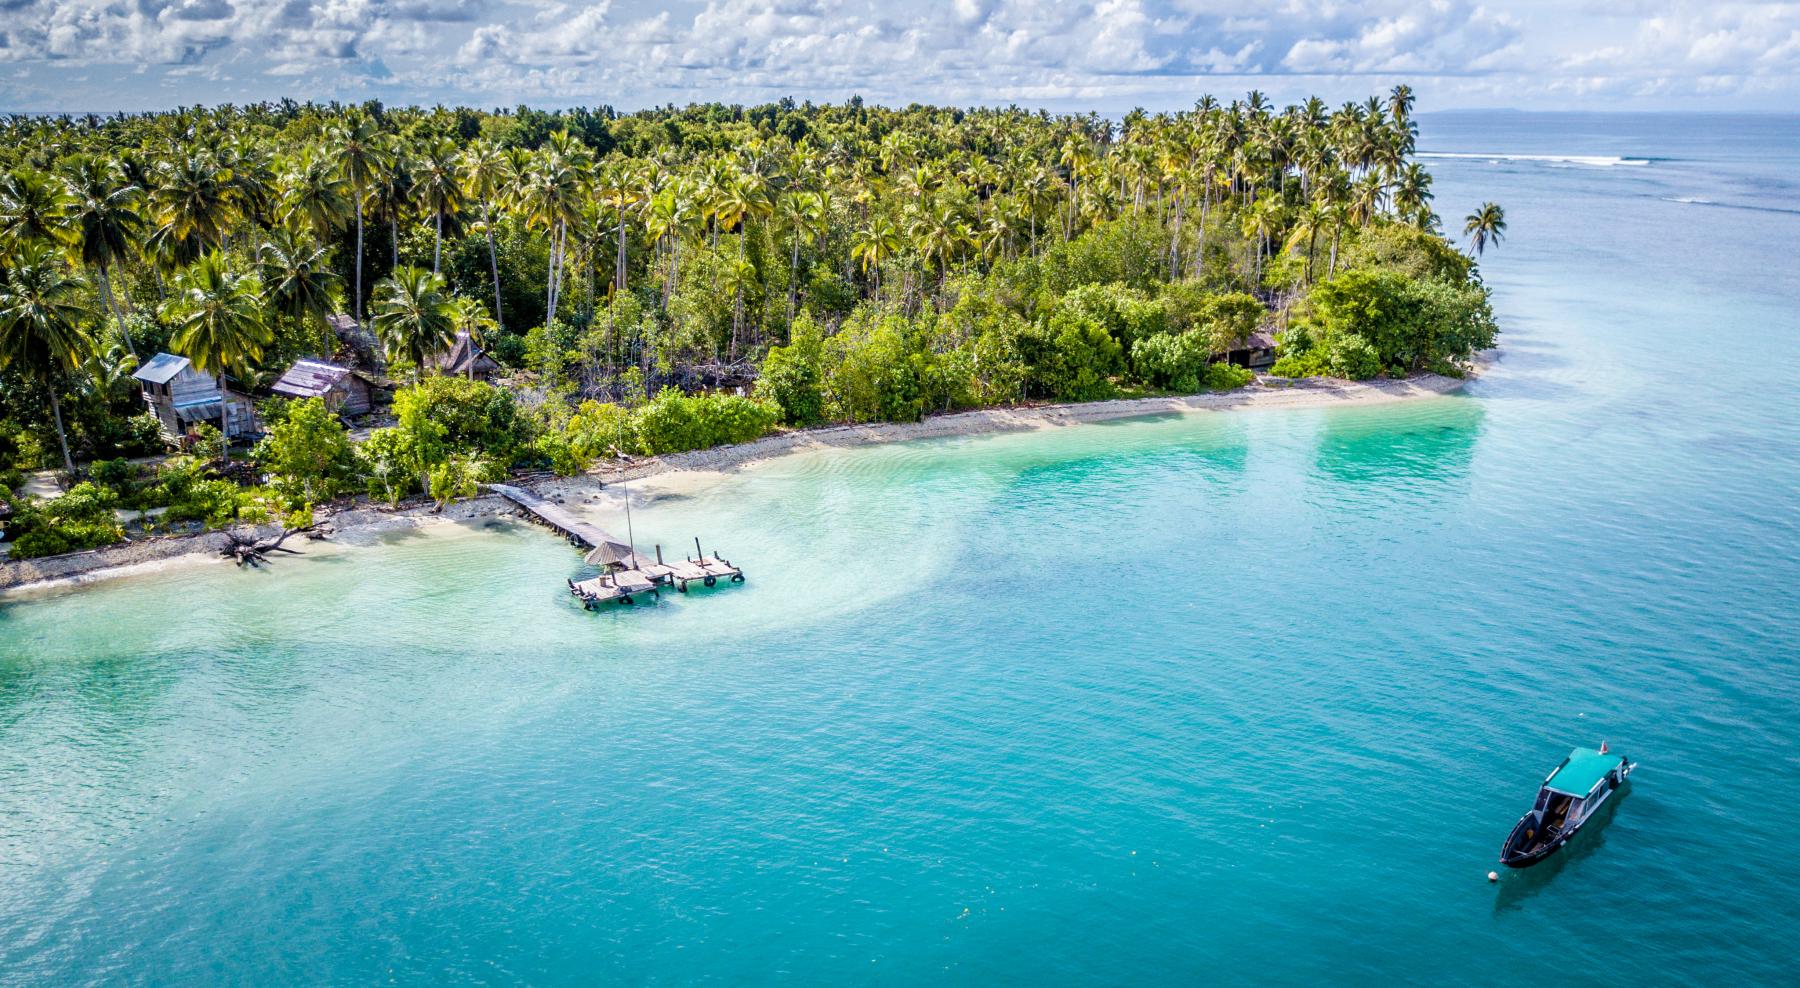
1234, 698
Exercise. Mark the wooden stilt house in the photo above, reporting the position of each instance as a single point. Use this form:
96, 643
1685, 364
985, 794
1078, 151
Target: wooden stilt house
182, 396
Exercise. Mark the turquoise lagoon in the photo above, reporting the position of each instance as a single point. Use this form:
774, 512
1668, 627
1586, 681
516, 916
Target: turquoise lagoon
1247, 697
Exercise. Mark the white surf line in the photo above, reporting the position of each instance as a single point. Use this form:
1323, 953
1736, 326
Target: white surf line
1592, 160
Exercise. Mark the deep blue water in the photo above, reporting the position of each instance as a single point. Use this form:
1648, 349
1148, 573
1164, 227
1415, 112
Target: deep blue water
1226, 698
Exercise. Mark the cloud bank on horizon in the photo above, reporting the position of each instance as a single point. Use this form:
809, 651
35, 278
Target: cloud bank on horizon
1109, 55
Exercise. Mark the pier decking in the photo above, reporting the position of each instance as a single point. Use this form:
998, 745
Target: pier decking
625, 573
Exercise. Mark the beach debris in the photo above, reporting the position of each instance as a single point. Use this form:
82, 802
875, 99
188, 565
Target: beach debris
255, 552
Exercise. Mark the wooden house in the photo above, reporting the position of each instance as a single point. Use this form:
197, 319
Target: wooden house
465, 359
345, 391
1257, 352
182, 396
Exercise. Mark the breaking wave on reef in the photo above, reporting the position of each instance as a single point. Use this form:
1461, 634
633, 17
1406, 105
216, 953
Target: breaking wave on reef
1587, 160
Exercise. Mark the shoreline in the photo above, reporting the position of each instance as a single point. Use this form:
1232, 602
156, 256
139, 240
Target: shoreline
137, 558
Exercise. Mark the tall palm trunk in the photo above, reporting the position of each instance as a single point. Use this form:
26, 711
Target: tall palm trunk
493, 266
62, 437
106, 290
793, 285
1175, 238
558, 243
619, 260
437, 241
1200, 246
359, 258
737, 293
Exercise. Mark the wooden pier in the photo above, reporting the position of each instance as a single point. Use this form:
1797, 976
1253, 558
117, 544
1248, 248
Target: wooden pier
625, 573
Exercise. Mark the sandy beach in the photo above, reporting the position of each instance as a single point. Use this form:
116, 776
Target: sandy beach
151, 555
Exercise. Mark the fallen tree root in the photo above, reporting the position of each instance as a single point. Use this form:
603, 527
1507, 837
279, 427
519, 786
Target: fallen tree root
255, 553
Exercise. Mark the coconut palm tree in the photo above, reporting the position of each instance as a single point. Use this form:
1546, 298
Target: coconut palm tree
41, 320
219, 326
805, 214
298, 282
618, 189
1312, 219
743, 197
103, 212
1412, 196
1400, 104
1261, 222
414, 316
873, 245
438, 187
193, 200
32, 208
486, 175
555, 190
394, 195
1485, 226
362, 156
315, 194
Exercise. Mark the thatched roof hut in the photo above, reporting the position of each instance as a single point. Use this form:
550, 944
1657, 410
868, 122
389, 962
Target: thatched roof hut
466, 359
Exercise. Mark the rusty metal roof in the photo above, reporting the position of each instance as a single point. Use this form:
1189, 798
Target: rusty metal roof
310, 379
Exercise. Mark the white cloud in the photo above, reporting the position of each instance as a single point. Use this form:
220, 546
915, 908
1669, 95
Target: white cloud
1110, 53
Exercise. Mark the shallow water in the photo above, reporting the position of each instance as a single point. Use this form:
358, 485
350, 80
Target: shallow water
1242, 697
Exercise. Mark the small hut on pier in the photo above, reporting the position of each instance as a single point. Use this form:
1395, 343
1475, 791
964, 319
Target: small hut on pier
182, 396
346, 392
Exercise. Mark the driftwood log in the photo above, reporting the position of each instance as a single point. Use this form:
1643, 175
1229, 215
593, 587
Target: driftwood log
255, 552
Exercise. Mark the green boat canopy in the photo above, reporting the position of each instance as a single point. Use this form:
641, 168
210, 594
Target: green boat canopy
1583, 768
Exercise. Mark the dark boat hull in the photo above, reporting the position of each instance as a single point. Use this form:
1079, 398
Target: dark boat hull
1523, 848
1511, 854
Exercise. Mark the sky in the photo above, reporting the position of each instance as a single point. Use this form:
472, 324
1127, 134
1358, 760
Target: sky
1102, 55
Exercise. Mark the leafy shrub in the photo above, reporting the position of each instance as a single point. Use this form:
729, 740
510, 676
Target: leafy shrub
791, 376
192, 496
309, 452
456, 477
1131, 250
120, 475
476, 417
596, 429
674, 422
28, 452
1223, 376
138, 435
1350, 356
869, 371
1407, 250
1073, 358
1129, 315
204, 440
387, 461
81, 519
1169, 361
1406, 322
